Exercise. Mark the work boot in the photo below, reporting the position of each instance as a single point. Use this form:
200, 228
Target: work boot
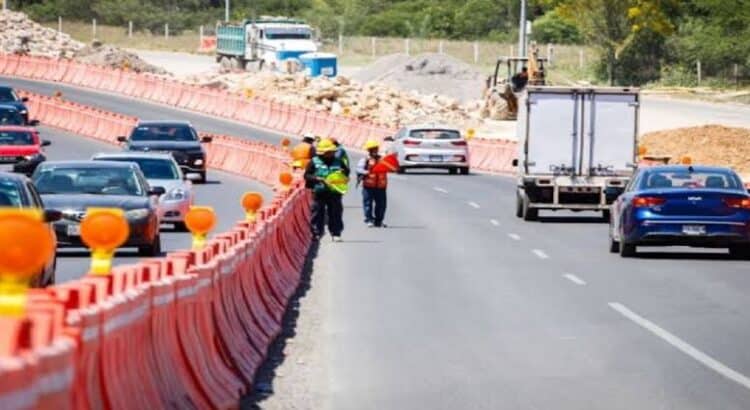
337, 239
370, 224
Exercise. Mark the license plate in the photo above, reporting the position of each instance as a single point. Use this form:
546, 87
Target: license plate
7, 159
694, 230
436, 158
74, 230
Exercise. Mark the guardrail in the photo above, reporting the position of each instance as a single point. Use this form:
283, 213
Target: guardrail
486, 155
188, 330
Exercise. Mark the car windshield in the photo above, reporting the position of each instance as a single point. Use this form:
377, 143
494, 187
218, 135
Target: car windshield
163, 133
10, 194
435, 135
16, 138
297, 34
88, 180
10, 117
153, 168
7, 95
670, 179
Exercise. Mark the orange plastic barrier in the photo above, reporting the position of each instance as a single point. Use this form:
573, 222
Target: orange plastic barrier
207, 44
185, 331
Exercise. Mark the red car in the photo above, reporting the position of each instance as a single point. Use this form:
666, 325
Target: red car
21, 149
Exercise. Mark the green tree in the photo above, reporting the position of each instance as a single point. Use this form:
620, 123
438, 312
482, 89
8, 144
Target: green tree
552, 28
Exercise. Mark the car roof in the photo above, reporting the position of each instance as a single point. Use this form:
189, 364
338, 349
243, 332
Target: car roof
17, 128
135, 154
436, 126
12, 176
5, 87
687, 168
9, 107
166, 123
89, 164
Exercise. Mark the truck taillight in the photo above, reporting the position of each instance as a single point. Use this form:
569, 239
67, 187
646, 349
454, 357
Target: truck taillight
459, 143
739, 203
647, 201
411, 142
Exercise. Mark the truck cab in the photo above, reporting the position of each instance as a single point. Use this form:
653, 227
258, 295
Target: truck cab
266, 42
577, 148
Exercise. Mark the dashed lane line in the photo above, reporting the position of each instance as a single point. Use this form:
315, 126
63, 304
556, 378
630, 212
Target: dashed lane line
575, 279
514, 236
441, 190
474, 205
540, 254
495, 222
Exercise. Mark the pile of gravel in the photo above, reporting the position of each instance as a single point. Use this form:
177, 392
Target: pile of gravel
427, 74
21, 35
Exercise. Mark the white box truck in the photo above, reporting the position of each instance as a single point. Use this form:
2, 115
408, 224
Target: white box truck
577, 148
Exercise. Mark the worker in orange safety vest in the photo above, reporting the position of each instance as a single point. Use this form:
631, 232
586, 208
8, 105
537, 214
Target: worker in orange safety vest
374, 186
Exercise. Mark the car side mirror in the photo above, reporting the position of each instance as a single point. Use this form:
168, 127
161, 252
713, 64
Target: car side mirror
157, 191
25, 99
514, 162
122, 139
52, 215
207, 139
46, 143
34, 123
389, 139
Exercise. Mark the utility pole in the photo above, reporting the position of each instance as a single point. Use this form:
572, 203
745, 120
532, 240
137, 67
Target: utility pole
522, 31
226, 10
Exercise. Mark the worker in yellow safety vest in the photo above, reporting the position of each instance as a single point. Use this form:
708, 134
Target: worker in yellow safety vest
327, 176
374, 186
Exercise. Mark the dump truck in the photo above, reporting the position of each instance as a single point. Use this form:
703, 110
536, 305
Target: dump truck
262, 43
577, 148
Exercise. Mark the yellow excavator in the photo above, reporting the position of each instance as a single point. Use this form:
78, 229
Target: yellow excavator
509, 88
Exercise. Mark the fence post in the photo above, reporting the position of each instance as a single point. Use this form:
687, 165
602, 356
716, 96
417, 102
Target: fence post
93, 28
406, 46
200, 34
372, 44
341, 44
736, 75
698, 68
580, 59
549, 54
440, 47
130, 29
476, 52
59, 24
166, 31
511, 51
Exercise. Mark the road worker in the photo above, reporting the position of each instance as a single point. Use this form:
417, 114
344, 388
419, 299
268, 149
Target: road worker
374, 186
327, 192
341, 152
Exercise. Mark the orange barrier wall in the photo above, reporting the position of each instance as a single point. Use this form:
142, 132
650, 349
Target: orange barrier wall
486, 155
207, 44
188, 330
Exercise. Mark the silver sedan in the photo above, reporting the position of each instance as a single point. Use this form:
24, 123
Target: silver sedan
161, 170
431, 146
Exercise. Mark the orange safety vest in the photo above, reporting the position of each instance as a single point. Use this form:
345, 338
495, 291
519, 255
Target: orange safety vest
379, 181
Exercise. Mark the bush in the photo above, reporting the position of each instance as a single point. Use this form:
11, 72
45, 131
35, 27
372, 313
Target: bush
551, 28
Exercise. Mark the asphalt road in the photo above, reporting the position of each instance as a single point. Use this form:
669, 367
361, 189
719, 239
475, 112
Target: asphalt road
459, 305
223, 191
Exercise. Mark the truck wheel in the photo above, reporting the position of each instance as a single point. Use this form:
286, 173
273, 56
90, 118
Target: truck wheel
529, 214
234, 64
224, 64
519, 205
741, 252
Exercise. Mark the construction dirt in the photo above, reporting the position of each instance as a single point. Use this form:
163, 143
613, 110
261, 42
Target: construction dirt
705, 145
21, 35
426, 74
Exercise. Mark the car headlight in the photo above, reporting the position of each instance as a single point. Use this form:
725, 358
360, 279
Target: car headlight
177, 194
137, 213
33, 157
23, 111
198, 161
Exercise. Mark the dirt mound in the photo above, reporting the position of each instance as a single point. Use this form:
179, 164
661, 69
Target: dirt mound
108, 56
426, 74
706, 145
21, 35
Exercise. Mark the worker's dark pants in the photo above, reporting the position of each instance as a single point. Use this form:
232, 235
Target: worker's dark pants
374, 202
327, 204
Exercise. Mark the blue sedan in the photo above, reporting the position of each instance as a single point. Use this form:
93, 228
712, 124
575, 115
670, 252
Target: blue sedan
682, 205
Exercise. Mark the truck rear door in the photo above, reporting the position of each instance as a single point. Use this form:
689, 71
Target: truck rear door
552, 145
610, 130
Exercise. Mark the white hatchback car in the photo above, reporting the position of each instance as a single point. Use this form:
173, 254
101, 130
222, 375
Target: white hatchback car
161, 169
431, 146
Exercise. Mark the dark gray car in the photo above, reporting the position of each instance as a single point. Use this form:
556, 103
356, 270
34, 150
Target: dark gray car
74, 186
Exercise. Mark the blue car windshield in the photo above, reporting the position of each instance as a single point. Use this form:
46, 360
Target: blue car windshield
672, 179
153, 168
10, 117
7, 95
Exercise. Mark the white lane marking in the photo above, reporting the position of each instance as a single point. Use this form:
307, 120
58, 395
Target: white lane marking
474, 205
540, 254
514, 236
494, 222
441, 190
575, 279
683, 346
